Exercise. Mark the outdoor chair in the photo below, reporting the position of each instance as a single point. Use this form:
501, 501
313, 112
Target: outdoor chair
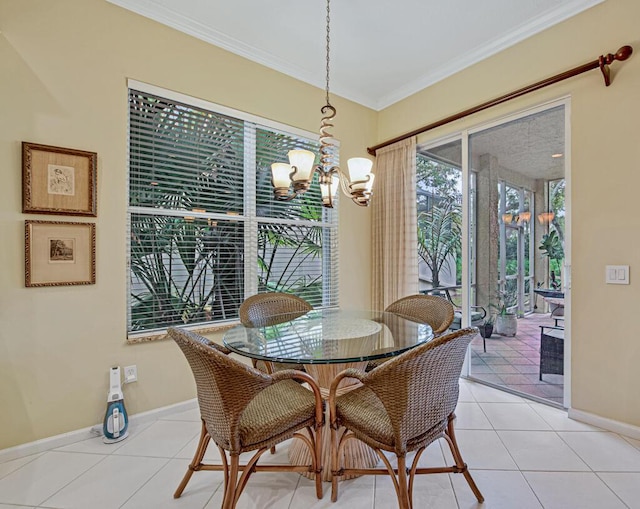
437, 312
551, 350
402, 406
265, 309
244, 409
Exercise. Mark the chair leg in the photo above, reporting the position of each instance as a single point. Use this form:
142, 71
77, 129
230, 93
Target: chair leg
457, 457
196, 462
318, 459
335, 467
403, 490
229, 500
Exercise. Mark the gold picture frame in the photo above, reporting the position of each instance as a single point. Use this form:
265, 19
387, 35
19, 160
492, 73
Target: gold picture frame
59, 253
58, 180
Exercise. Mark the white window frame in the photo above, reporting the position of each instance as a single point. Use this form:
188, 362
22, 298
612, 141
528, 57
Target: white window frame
249, 217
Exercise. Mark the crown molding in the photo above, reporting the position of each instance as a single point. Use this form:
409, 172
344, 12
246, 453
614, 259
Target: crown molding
161, 14
497, 45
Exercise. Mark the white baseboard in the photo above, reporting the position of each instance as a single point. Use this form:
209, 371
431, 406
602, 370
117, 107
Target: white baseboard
46, 444
628, 430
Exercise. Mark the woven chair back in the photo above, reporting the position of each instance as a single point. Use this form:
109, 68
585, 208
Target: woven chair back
266, 309
435, 311
224, 385
419, 388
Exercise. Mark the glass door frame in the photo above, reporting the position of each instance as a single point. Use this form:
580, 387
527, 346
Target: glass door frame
467, 256
521, 229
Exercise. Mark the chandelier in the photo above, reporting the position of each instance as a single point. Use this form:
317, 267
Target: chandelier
292, 179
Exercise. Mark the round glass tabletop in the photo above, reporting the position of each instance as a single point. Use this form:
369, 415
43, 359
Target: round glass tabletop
327, 336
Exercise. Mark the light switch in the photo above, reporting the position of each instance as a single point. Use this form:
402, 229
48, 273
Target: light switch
617, 274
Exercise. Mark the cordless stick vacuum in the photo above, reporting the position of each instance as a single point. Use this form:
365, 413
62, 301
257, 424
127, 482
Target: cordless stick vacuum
116, 421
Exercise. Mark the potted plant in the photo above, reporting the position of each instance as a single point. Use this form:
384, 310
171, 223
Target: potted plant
506, 320
551, 246
486, 327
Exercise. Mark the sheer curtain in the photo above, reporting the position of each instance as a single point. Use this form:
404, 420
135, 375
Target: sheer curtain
395, 238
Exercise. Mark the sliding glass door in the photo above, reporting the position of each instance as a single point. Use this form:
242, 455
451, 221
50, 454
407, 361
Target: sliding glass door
507, 182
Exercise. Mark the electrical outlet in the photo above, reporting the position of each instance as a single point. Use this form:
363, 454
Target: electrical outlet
130, 374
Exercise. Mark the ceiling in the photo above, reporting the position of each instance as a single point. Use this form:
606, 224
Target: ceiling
381, 51
532, 146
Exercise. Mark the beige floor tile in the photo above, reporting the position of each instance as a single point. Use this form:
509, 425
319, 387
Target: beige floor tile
481, 449
572, 490
501, 490
107, 485
158, 491
38, 480
625, 484
509, 416
264, 489
471, 416
540, 450
603, 451
163, 439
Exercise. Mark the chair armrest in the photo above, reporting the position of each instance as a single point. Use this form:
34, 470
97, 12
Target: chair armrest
294, 374
347, 373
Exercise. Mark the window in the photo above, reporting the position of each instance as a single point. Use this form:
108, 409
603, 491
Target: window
204, 228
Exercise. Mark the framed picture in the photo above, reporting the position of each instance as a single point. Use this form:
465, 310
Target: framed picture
59, 253
58, 180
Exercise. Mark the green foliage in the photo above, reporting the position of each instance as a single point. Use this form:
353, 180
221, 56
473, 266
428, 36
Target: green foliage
551, 246
436, 179
189, 270
439, 217
440, 236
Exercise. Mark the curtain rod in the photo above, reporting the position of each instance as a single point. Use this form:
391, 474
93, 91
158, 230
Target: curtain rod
601, 62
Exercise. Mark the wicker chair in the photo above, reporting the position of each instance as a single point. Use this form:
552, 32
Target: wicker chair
402, 406
437, 312
266, 309
262, 310
244, 409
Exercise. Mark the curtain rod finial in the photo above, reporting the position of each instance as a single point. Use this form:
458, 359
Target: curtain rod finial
604, 61
623, 53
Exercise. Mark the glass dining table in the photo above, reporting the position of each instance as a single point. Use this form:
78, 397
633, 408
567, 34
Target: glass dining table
327, 341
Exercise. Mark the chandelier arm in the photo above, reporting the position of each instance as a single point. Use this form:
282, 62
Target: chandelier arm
360, 203
281, 196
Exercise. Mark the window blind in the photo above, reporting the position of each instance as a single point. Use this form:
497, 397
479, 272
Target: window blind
204, 228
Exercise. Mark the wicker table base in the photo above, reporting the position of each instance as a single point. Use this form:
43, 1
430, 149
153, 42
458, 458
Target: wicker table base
356, 453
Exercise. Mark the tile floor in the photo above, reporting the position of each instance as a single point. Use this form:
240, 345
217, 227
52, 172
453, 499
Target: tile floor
522, 455
514, 362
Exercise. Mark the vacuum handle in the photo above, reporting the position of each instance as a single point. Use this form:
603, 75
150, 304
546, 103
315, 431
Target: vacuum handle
116, 422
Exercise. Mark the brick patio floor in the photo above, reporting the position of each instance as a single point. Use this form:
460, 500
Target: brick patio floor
514, 362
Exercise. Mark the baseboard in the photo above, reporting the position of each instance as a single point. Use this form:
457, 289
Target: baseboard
46, 444
628, 430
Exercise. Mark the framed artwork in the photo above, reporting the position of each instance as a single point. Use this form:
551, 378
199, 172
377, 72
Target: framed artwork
58, 180
59, 253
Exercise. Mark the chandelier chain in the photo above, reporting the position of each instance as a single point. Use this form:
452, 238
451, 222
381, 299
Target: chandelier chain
328, 41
